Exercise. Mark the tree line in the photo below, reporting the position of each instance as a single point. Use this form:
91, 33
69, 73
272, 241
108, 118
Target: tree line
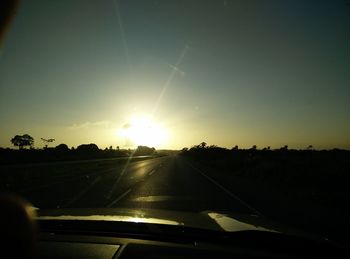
25, 140
27, 154
203, 146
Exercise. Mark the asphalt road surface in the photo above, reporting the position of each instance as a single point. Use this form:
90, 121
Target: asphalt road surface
171, 183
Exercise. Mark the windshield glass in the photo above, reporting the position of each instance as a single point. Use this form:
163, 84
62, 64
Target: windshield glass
234, 107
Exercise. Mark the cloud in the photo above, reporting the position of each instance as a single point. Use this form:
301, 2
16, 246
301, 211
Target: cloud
88, 124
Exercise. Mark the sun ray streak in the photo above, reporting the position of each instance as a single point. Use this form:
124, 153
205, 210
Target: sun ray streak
125, 168
122, 34
174, 70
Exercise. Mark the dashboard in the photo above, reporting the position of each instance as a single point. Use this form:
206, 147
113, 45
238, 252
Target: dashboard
142, 240
66, 246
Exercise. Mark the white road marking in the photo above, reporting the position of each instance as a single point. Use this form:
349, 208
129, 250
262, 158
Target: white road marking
118, 199
225, 190
161, 198
119, 177
83, 192
114, 186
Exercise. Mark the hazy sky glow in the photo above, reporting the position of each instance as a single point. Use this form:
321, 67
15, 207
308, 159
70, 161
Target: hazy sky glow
269, 73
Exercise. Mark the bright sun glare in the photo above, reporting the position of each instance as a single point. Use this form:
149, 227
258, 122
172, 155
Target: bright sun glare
143, 130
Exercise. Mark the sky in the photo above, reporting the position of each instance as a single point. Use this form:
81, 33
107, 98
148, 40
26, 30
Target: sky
172, 74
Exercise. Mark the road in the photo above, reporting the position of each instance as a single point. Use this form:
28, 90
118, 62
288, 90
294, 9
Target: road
171, 183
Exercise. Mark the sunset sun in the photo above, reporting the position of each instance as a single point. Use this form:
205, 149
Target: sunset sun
143, 130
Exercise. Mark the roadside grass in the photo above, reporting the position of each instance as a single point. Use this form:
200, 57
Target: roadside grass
308, 190
13, 178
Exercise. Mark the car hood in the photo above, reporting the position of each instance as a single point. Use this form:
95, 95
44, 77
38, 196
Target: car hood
208, 220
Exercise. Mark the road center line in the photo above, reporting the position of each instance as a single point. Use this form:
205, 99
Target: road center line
118, 199
225, 190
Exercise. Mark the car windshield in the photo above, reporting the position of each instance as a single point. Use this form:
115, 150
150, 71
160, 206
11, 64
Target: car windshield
218, 106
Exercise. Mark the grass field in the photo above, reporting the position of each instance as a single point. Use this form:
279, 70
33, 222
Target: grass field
306, 189
24, 177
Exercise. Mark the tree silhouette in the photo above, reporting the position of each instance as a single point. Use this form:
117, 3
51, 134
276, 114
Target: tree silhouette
47, 141
285, 147
62, 148
88, 148
203, 144
144, 150
22, 141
